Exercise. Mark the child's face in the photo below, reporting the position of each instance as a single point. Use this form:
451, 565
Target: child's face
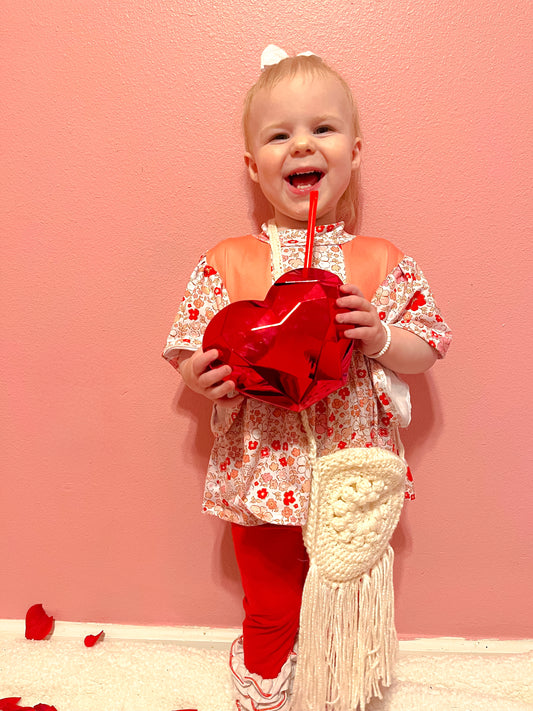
302, 139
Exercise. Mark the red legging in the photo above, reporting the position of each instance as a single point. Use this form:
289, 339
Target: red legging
273, 563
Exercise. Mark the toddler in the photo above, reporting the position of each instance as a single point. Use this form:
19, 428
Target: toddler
301, 134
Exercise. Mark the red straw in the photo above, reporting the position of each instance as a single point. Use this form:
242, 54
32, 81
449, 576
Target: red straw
313, 199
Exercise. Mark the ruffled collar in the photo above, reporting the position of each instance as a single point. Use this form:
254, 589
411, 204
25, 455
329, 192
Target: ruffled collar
324, 235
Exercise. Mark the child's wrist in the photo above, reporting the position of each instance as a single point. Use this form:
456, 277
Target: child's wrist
386, 345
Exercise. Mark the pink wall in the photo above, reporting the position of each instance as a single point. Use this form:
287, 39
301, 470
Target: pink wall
121, 163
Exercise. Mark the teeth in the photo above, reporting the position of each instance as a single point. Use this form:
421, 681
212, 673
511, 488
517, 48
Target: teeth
297, 179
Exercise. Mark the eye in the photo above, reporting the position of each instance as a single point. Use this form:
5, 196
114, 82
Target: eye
323, 129
278, 137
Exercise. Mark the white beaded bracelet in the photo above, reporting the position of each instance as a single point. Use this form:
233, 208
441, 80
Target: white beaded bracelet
387, 342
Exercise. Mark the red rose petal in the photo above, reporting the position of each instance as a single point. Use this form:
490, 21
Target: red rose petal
12, 704
92, 639
9, 704
38, 623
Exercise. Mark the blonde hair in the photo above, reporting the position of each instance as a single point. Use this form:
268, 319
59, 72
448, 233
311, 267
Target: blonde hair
308, 66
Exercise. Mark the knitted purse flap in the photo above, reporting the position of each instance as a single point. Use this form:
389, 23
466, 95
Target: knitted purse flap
359, 498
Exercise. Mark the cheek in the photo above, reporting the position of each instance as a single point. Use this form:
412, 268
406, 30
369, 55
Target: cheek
346, 169
265, 168
269, 171
270, 162
343, 154
268, 183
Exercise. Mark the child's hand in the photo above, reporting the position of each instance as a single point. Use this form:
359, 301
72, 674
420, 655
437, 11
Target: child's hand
194, 371
363, 316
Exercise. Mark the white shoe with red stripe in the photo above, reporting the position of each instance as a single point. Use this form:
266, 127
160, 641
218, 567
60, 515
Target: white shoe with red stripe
255, 693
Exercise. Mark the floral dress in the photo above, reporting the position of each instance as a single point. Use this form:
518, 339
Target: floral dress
259, 469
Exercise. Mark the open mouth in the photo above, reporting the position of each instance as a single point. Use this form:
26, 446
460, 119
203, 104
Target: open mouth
305, 180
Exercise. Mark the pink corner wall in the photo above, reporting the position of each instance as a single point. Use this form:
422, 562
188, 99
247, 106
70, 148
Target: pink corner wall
121, 163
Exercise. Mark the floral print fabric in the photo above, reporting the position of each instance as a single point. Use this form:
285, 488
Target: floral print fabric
259, 470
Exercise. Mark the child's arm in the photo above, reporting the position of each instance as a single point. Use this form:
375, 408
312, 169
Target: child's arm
194, 369
407, 353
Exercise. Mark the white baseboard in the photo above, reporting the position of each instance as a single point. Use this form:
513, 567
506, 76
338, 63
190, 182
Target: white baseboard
459, 645
206, 637
222, 637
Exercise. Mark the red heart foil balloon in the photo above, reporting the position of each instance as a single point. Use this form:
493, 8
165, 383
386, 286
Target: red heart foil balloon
287, 350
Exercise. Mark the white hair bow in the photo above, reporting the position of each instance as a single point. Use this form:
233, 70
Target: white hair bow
274, 54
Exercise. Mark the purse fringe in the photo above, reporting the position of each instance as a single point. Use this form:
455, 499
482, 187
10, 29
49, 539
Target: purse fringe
347, 645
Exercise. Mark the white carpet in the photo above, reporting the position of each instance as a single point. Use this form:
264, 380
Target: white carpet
147, 676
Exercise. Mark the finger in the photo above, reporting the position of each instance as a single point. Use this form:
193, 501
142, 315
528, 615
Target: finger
201, 360
355, 318
352, 301
230, 401
221, 390
350, 289
209, 378
357, 333
200, 363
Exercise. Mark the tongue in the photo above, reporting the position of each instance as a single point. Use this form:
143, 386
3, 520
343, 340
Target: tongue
304, 180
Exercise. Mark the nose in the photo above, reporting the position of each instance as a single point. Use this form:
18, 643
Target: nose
302, 143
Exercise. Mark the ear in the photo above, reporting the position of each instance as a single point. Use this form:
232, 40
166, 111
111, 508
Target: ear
252, 166
356, 153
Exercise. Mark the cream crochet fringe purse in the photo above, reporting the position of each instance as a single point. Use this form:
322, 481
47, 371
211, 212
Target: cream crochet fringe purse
347, 640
